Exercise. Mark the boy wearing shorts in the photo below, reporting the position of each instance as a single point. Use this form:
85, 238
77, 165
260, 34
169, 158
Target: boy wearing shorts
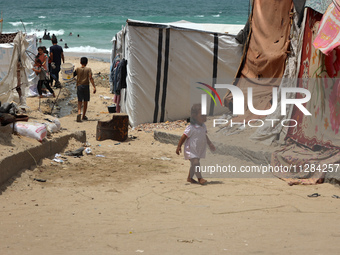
84, 77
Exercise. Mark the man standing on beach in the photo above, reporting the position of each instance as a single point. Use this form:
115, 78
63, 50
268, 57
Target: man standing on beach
56, 55
84, 77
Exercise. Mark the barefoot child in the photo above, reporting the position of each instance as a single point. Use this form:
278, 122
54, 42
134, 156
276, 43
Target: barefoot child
196, 140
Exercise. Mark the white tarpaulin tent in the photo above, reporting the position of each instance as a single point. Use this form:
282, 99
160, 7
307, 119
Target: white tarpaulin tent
165, 61
10, 55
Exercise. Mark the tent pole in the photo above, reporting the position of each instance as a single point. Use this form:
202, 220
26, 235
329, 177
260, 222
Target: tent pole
56, 100
18, 87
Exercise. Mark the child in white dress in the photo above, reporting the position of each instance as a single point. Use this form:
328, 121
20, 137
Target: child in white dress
195, 141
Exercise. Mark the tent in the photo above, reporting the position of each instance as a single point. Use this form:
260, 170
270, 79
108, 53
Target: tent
165, 61
17, 49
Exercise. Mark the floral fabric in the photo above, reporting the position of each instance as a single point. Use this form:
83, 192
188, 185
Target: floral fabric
328, 36
320, 75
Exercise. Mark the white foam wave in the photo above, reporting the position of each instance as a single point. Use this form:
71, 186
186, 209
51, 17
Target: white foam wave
200, 16
42, 17
86, 49
41, 33
216, 16
19, 23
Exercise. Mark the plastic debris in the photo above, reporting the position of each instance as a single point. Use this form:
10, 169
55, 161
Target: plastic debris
88, 151
57, 158
162, 158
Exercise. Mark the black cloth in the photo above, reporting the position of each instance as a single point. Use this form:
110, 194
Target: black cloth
299, 7
83, 93
47, 85
120, 77
56, 50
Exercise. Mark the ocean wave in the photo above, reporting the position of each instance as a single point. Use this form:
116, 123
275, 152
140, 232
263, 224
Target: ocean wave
86, 49
199, 16
40, 33
216, 16
19, 23
42, 17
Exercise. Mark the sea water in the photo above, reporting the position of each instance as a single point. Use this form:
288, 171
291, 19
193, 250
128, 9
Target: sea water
96, 22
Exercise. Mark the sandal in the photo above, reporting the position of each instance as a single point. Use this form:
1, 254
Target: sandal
85, 118
79, 118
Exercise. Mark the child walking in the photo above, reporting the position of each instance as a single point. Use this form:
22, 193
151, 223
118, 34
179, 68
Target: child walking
196, 140
39, 70
84, 77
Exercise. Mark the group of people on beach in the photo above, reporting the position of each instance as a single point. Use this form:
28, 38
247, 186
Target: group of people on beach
47, 67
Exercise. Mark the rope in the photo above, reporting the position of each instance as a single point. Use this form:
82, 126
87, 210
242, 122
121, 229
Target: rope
33, 158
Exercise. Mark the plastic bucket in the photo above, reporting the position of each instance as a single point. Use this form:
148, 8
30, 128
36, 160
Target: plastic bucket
112, 108
67, 71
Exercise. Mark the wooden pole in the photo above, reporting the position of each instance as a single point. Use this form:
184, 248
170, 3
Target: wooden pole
18, 87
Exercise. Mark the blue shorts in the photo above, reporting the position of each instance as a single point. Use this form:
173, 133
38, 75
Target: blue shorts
83, 93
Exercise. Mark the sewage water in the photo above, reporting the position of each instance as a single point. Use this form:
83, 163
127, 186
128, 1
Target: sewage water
65, 107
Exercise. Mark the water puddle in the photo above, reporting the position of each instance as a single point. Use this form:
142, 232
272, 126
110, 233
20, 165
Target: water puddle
65, 107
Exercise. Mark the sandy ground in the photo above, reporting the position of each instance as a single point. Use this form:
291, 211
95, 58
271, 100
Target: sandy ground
132, 197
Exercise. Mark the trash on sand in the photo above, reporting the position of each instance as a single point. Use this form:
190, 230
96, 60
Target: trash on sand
314, 195
163, 158
100, 156
140, 251
105, 97
189, 241
77, 152
59, 160
117, 143
39, 180
88, 150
